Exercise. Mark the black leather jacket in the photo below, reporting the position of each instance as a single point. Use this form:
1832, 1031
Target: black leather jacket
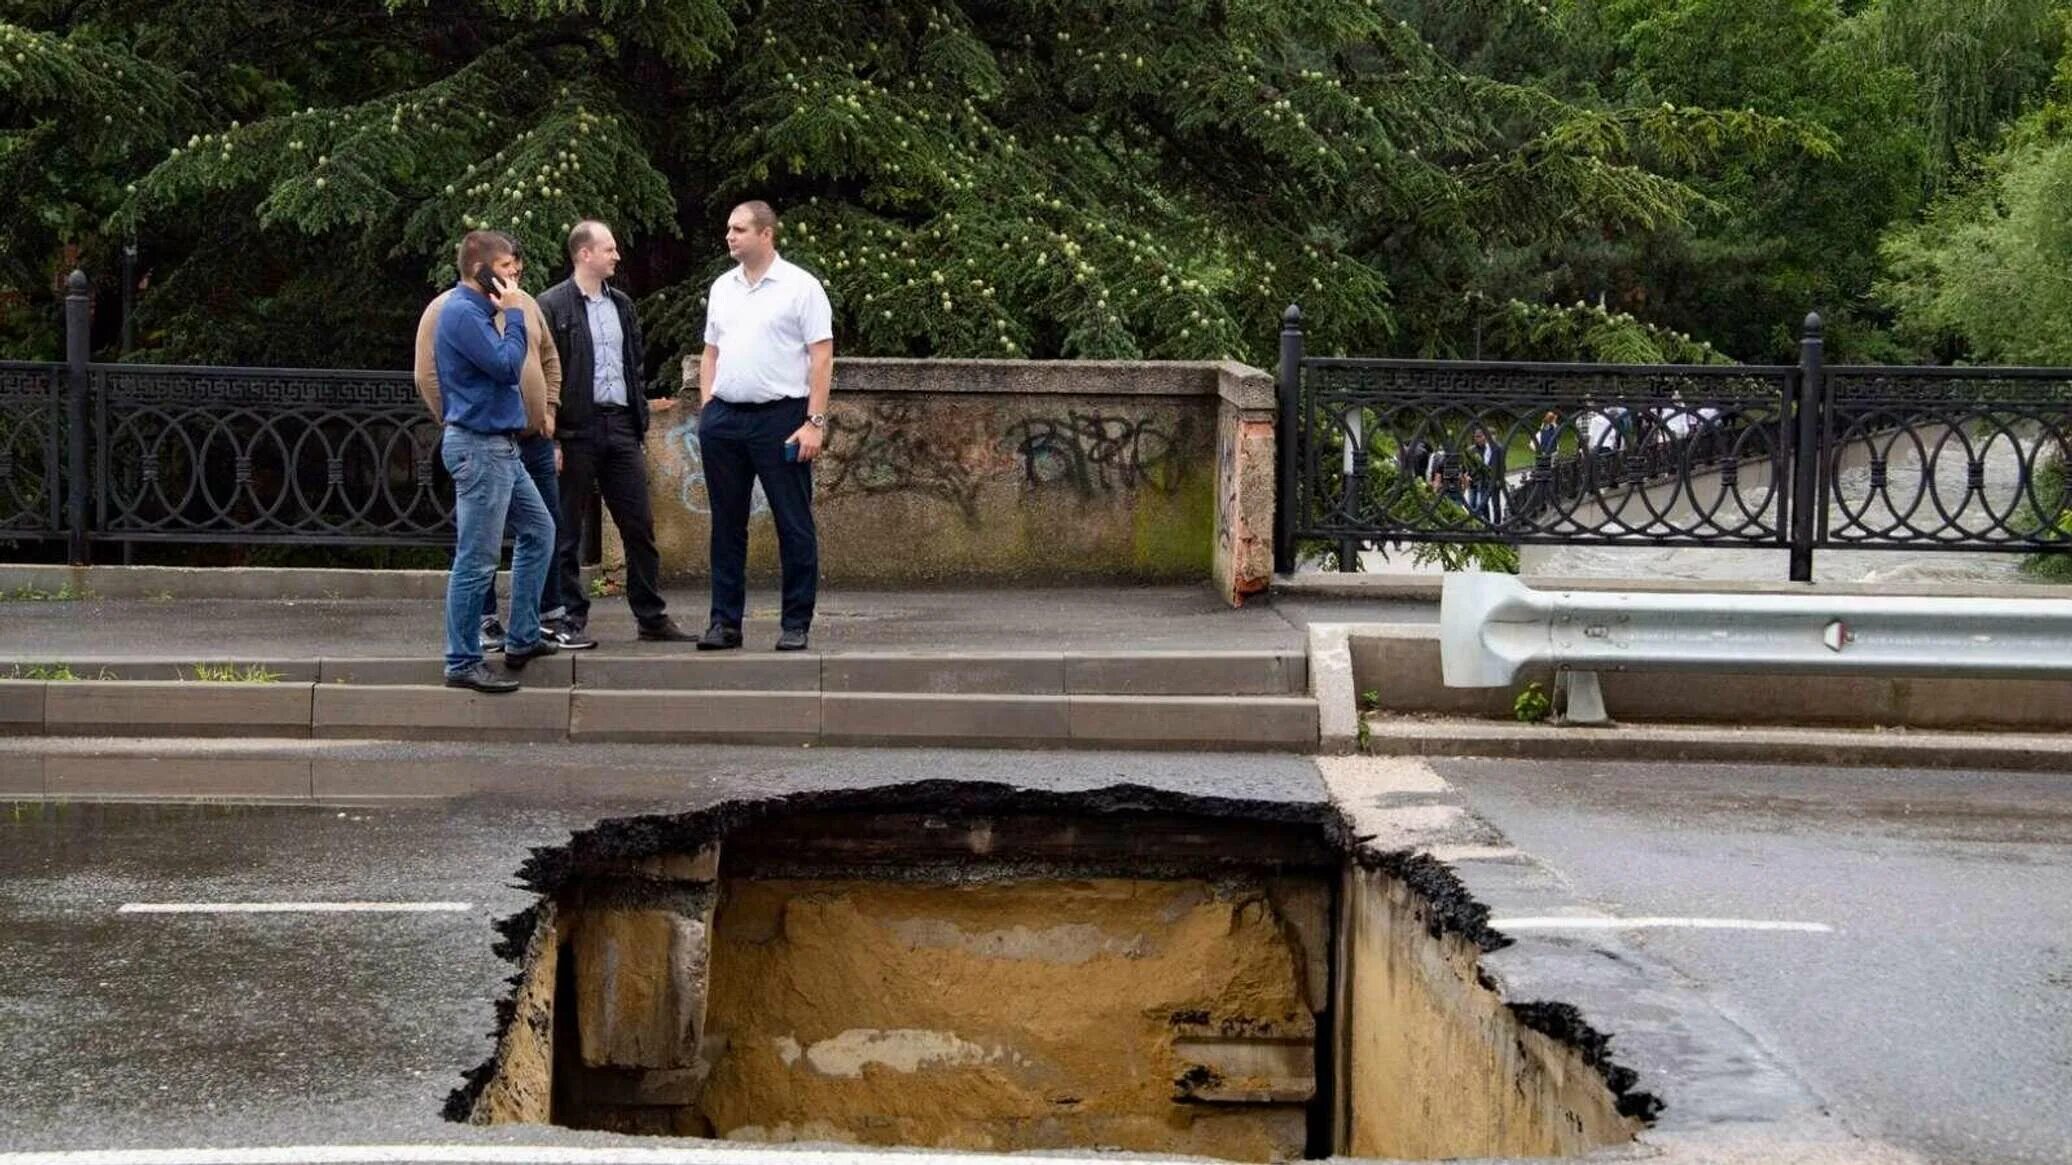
569, 322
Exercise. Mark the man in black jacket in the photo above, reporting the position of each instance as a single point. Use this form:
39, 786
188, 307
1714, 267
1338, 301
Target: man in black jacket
601, 424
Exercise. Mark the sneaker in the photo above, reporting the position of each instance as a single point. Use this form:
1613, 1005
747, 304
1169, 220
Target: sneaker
569, 639
481, 679
792, 639
493, 634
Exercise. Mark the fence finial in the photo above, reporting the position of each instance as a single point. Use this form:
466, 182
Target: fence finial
1813, 325
1292, 318
75, 283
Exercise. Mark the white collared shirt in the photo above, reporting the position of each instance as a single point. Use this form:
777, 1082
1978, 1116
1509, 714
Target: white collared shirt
762, 332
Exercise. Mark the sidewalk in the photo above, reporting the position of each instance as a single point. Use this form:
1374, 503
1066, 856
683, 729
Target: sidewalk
1167, 618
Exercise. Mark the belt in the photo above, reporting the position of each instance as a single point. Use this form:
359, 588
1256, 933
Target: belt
609, 410
780, 402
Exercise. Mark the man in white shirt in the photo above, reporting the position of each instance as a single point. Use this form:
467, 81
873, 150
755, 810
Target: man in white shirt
763, 385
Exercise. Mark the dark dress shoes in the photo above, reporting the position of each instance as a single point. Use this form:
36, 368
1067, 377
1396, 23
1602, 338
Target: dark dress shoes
792, 639
665, 630
481, 679
719, 637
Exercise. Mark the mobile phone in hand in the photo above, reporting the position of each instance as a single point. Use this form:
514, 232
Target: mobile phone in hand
791, 450
485, 279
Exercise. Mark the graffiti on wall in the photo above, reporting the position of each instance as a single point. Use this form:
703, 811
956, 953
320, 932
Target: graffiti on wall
957, 451
1095, 452
887, 447
691, 489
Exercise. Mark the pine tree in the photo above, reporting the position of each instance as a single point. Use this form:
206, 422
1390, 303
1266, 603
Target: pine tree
1119, 179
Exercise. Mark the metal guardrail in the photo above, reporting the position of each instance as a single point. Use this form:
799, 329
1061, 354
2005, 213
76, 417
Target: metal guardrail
1377, 452
1493, 628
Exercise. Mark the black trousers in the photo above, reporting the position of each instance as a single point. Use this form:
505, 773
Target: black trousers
606, 457
739, 446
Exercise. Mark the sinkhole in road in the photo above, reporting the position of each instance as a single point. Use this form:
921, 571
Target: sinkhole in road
971, 966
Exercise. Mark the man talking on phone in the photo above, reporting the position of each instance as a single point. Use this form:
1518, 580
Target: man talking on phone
763, 385
483, 407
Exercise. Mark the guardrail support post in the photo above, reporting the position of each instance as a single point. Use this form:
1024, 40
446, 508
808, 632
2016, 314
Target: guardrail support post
78, 350
1582, 699
1806, 494
1289, 398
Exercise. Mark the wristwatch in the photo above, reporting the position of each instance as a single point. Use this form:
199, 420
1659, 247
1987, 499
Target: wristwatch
817, 420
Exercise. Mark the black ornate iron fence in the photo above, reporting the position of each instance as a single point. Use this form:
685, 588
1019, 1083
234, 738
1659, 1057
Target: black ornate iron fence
129, 453
1946, 458
265, 455
1381, 452
32, 445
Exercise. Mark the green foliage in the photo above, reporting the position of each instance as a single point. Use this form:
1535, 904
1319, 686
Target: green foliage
43, 671
2049, 506
1985, 274
1144, 178
1129, 178
1976, 64
1532, 704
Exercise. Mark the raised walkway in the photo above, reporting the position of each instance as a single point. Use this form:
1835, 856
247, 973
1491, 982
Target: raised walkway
1106, 667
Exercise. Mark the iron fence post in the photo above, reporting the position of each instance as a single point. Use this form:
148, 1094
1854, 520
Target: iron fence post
1289, 391
78, 350
1805, 463
129, 297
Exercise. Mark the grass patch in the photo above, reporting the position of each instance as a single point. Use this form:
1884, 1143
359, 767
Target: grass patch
230, 673
1532, 705
42, 671
64, 594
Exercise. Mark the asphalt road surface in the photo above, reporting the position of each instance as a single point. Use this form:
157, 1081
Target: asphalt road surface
173, 1030
1937, 1014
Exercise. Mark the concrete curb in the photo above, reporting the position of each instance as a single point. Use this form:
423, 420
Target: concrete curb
1331, 683
1427, 587
1141, 673
549, 714
2025, 752
233, 582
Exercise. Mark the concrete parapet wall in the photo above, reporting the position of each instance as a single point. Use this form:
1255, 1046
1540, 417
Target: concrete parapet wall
1399, 665
1012, 470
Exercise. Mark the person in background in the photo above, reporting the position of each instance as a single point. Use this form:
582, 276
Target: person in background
1486, 477
1548, 439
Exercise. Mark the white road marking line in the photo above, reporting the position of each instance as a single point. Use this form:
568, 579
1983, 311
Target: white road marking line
1557, 922
516, 1155
293, 907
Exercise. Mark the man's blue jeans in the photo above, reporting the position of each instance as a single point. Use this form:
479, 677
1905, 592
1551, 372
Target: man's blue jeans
490, 485
536, 452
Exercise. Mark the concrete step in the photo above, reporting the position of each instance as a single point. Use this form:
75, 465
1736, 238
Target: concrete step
1121, 673
360, 711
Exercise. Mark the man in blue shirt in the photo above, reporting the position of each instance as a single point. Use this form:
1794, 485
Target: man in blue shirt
484, 412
